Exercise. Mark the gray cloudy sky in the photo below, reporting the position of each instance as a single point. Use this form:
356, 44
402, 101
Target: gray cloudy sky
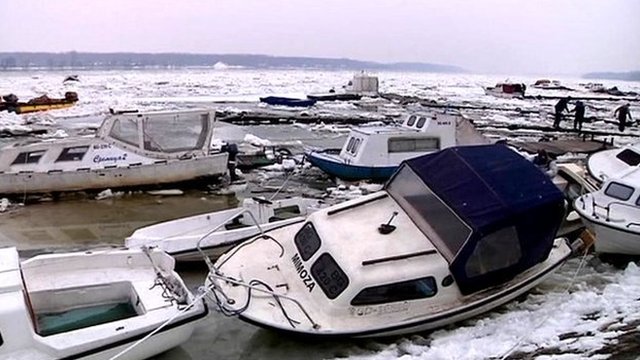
497, 36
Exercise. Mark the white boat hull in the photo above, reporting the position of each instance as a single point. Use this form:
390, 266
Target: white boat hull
614, 240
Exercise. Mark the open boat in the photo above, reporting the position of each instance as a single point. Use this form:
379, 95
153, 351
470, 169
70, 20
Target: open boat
218, 231
92, 305
42, 103
129, 150
454, 234
374, 153
607, 163
613, 213
286, 101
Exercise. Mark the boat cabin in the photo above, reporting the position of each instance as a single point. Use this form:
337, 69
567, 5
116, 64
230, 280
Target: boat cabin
385, 146
618, 201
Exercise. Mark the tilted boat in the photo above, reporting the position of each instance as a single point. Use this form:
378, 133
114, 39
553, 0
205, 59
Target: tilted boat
454, 234
216, 232
506, 89
286, 101
374, 153
607, 163
613, 213
92, 305
129, 150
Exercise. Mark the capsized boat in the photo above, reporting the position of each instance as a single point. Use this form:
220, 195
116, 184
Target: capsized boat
506, 89
454, 234
613, 213
216, 232
93, 305
287, 101
374, 153
129, 150
608, 163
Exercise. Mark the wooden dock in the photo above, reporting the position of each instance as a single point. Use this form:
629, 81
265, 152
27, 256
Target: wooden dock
560, 147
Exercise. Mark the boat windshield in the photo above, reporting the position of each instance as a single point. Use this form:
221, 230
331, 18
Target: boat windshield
175, 133
432, 216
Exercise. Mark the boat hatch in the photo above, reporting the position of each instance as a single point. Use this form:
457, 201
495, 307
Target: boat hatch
619, 191
490, 212
29, 157
629, 157
401, 291
62, 310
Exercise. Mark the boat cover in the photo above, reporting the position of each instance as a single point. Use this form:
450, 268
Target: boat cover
506, 212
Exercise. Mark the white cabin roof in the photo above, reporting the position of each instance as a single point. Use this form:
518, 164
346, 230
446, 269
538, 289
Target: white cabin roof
10, 279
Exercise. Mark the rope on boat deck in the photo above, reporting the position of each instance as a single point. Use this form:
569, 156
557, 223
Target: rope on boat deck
163, 325
566, 290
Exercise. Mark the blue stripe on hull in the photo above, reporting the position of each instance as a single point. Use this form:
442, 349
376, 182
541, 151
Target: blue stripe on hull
352, 172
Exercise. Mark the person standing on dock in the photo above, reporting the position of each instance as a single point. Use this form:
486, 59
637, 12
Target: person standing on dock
579, 115
561, 106
622, 112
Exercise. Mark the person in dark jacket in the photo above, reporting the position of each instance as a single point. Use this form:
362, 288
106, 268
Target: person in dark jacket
561, 106
622, 112
579, 115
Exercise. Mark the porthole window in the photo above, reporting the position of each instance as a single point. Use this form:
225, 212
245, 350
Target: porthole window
31, 157
412, 120
350, 144
307, 241
329, 276
401, 291
421, 122
356, 146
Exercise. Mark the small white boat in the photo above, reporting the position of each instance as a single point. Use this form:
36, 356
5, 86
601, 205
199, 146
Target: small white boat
613, 213
92, 305
216, 232
607, 163
374, 153
129, 150
453, 235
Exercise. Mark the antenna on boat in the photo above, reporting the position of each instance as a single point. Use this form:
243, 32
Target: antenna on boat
387, 228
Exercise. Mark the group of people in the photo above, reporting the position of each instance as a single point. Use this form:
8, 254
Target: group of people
622, 112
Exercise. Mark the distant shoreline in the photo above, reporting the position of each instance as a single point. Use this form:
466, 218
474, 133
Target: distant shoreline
10, 61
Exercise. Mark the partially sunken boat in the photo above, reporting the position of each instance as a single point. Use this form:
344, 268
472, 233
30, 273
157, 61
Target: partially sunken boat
41, 103
454, 234
506, 89
93, 305
287, 101
374, 153
129, 151
187, 239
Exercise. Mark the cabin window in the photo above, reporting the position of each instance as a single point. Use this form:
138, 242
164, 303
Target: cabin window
125, 130
638, 201
350, 144
356, 146
75, 153
629, 157
286, 212
329, 276
432, 216
1, 340
31, 157
398, 145
401, 291
495, 251
175, 133
619, 191
421, 122
412, 120
307, 241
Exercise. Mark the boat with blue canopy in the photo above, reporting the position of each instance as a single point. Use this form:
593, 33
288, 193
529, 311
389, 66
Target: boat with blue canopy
287, 101
453, 234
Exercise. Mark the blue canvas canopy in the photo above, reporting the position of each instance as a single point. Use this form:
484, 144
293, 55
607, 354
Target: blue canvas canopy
489, 211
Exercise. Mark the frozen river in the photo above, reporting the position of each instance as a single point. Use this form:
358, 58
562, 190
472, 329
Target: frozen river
591, 313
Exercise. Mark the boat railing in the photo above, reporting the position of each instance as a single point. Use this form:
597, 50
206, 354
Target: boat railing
629, 225
215, 274
608, 209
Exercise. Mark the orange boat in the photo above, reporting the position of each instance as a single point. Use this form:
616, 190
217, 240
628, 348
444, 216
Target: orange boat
42, 103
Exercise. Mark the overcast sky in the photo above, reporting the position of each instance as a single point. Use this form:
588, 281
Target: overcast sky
494, 36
